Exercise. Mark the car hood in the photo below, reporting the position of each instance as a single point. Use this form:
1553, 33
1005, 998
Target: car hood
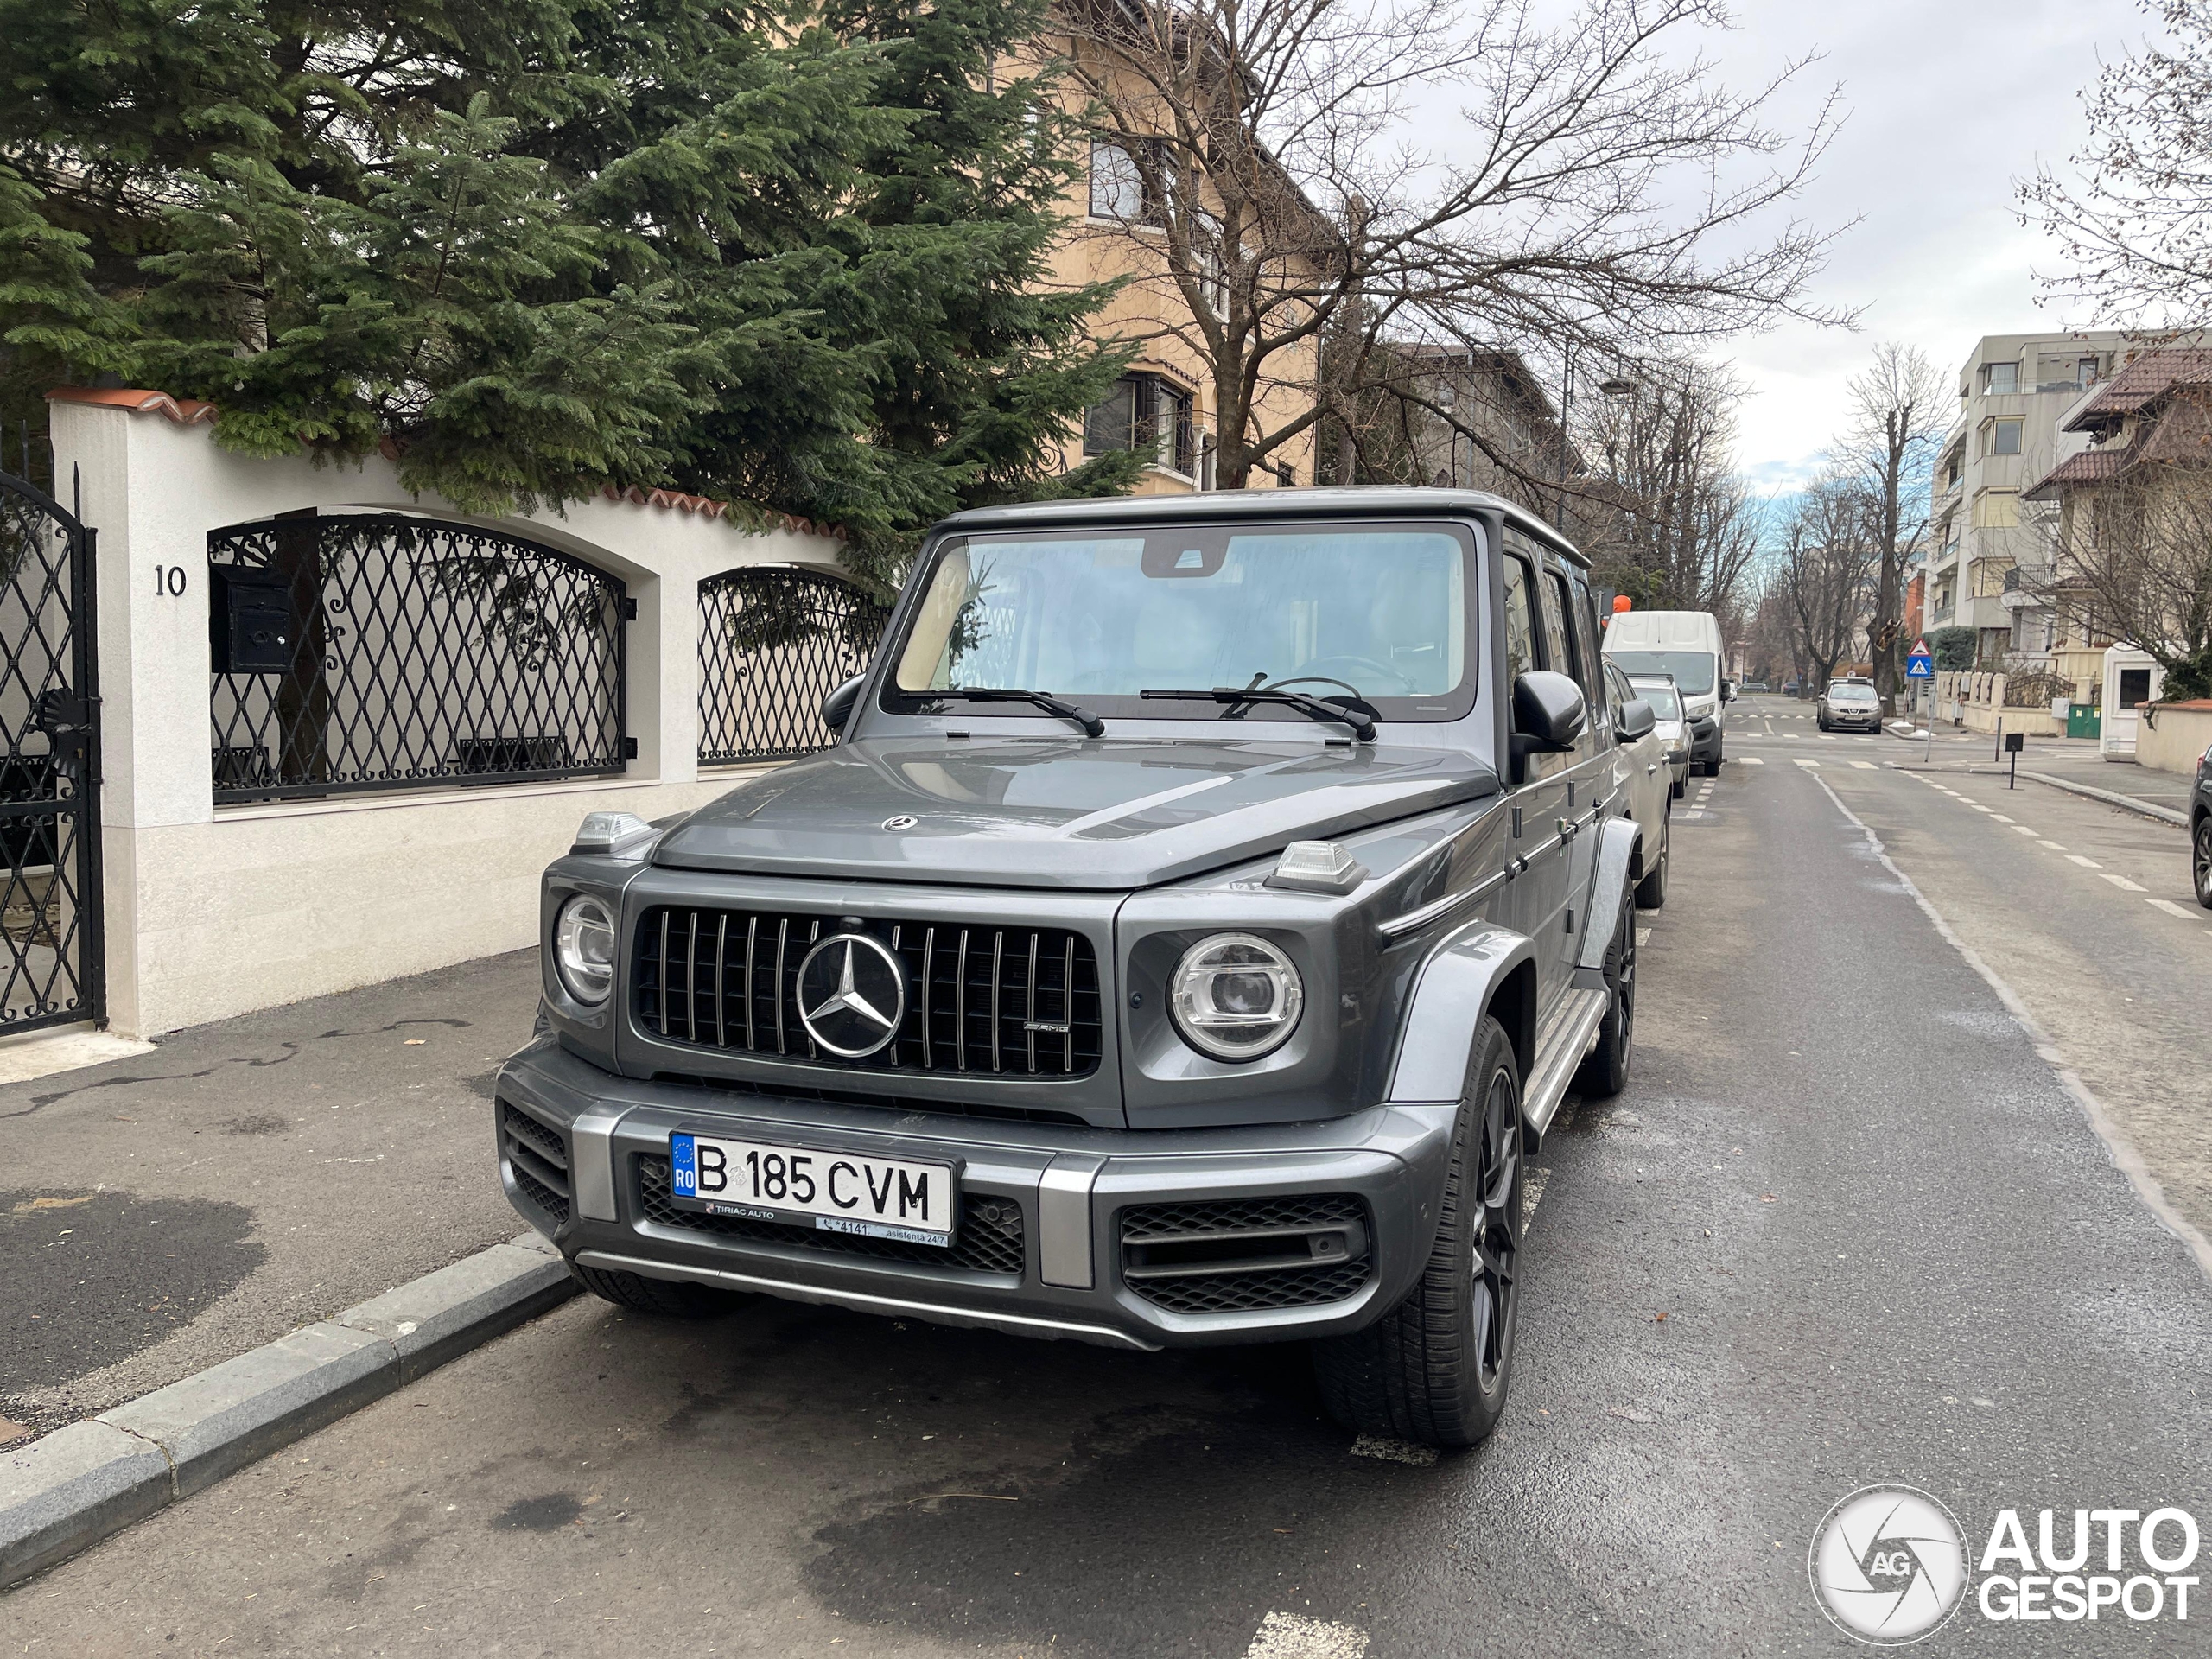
1051, 813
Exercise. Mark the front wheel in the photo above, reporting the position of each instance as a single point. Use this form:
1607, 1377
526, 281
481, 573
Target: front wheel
2202, 861
1434, 1370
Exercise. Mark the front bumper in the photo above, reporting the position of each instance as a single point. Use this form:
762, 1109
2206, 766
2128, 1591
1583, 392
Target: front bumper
1851, 721
1058, 1199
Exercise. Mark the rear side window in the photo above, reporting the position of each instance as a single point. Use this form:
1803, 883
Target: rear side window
1562, 656
1520, 620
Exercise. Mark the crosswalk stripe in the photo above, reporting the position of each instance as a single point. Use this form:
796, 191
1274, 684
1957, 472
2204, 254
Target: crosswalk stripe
1809, 764
2173, 909
1865, 765
2086, 863
2123, 883
1752, 760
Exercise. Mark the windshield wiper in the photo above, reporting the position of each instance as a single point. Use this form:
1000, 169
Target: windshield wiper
1239, 696
1092, 726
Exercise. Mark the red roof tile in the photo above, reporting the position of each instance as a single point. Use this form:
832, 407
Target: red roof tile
2142, 381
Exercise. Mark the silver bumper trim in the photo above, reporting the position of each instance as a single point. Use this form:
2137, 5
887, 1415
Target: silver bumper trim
1064, 1219
1019, 1324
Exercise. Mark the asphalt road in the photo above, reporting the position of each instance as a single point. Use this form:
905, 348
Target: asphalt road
1845, 1226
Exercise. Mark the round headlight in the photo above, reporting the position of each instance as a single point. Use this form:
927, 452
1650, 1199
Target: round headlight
583, 949
1236, 997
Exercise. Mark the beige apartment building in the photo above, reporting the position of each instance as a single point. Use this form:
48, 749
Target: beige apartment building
1164, 404
1986, 549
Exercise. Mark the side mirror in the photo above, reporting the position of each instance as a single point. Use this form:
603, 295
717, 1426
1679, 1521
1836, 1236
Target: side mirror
1636, 719
1728, 691
1549, 714
837, 707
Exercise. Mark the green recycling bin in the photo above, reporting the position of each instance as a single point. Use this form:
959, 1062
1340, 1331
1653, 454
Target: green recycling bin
2083, 720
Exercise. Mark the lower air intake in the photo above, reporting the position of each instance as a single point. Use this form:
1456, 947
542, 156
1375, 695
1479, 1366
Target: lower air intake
1243, 1255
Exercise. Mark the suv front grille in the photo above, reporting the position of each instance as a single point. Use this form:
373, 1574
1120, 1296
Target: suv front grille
987, 1237
538, 1157
1238, 1255
1010, 1000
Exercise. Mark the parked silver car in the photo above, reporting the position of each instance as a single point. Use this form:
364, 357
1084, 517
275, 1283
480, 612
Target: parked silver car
1672, 727
1849, 705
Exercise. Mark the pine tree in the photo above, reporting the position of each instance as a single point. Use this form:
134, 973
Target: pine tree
785, 255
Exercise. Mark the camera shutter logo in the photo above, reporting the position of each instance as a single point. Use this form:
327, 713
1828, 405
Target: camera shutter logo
1888, 1565
852, 995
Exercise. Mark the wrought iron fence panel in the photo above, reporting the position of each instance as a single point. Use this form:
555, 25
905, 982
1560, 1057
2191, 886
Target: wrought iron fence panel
51, 970
376, 651
773, 641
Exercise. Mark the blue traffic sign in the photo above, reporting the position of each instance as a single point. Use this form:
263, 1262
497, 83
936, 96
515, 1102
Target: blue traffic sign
1920, 668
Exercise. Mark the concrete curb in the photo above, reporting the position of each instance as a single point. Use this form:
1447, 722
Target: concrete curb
78, 1484
2112, 798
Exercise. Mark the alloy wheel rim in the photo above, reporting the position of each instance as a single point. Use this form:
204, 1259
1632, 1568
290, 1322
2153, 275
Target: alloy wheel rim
1624, 990
1498, 1229
2204, 862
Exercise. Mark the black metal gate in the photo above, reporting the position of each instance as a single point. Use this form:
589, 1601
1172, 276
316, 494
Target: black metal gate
50, 907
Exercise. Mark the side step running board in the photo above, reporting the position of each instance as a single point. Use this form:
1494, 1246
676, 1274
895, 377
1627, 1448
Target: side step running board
1559, 1048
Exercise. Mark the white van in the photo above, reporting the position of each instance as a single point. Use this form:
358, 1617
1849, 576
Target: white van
1687, 645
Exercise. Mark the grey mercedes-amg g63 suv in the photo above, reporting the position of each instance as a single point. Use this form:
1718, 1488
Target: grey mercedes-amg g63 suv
1203, 910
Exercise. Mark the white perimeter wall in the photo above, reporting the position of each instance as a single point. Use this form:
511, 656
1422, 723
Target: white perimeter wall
212, 912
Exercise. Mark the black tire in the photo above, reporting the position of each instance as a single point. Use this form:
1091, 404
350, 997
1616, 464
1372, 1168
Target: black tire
2202, 860
1679, 787
1713, 767
1435, 1369
1605, 1070
1651, 890
664, 1297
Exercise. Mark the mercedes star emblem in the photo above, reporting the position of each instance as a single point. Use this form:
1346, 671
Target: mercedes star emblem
902, 822
852, 995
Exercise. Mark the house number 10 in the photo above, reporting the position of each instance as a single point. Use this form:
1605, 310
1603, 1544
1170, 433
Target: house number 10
168, 580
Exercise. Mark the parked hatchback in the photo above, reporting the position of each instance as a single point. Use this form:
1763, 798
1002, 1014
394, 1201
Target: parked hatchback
1849, 706
1672, 729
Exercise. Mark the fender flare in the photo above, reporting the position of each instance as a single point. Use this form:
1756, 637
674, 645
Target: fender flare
1609, 881
1456, 987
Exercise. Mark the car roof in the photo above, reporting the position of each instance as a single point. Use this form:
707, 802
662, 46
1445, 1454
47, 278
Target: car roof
1247, 507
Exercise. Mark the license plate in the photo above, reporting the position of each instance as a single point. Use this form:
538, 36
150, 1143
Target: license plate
834, 1191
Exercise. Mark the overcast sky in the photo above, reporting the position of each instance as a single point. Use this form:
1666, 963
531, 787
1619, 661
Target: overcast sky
1949, 102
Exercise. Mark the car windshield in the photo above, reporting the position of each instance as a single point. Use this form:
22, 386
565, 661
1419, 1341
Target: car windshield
1692, 670
1375, 612
1660, 696
1850, 694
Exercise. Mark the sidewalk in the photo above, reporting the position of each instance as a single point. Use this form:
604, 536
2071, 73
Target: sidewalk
169, 1212
2074, 760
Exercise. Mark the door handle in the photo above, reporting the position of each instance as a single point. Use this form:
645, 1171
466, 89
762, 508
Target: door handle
1650, 766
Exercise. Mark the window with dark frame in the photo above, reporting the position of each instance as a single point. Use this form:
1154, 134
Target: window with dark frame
2005, 437
1145, 412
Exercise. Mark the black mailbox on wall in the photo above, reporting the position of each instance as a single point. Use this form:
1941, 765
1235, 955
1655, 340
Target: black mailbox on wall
250, 620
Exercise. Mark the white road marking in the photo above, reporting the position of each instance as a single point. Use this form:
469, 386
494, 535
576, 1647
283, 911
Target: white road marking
1367, 1446
1809, 764
2052, 845
2123, 883
2086, 863
1751, 760
1828, 737
1643, 937
2125, 1155
2173, 909
2022, 829
1293, 1635
2000, 817
1865, 765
